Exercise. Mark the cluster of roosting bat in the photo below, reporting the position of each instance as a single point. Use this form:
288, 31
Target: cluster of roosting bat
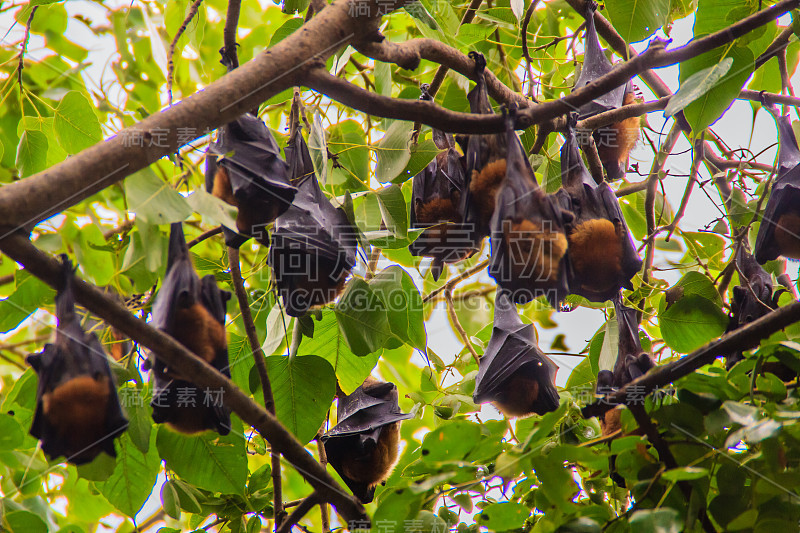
572, 242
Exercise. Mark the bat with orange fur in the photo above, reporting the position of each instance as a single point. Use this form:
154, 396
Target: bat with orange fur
529, 246
363, 446
313, 243
191, 310
244, 169
779, 232
485, 161
437, 205
78, 414
513, 373
614, 142
601, 249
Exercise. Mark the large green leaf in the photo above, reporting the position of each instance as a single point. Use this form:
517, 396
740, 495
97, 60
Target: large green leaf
303, 388
403, 305
30, 295
362, 318
76, 124
153, 200
691, 321
704, 111
208, 460
329, 343
348, 142
31, 153
656, 521
636, 20
394, 210
133, 478
393, 151
503, 516
697, 85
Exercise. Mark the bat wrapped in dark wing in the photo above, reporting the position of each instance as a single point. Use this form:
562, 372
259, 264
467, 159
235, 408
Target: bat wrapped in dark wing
513, 373
78, 414
437, 204
779, 233
632, 362
192, 311
529, 246
601, 249
751, 300
244, 168
485, 161
363, 446
313, 243
614, 142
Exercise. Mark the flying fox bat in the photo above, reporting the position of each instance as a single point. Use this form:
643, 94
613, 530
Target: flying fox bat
436, 204
485, 160
632, 362
78, 414
363, 446
513, 373
313, 243
779, 233
614, 142
244, 169
529, 246
601, 249
191, 310
752, 299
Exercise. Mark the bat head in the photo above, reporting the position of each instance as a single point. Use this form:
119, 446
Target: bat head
595, 65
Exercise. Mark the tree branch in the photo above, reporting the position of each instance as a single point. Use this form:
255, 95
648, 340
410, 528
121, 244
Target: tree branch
171, 50
745, 338
24, 47
46, 268
229, 34
299, 512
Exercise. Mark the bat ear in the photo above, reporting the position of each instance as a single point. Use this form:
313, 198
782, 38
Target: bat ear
604, 378
35, 360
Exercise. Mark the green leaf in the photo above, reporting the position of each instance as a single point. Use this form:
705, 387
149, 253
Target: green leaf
30, 295
330, 344
691, 322
362, 318
303, 388
31, 153
704, 111
518, 8
393, 209
153, 200
214, 210
76, 124
451, 442
133, 478
663, 520
23, 522
348, 142
208, 460
685, 473
169, 500
393, 151
697, 85
636, 20
11, 433
288, 28
503, 516
318, 149
403, 305
295, 6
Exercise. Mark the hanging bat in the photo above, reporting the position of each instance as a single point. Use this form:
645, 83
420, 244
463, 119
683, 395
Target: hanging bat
751, 300
614, 142
313, 243
78, 414
244, 169
601, 249
485, 160
779, 233
437, 204
192, 311
529, 247
632, 362
513, 373
363, 446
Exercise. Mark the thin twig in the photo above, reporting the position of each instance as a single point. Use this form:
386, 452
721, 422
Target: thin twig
451, 310
525, 53
171, 50
323, 506
203, 236
372, 265
456, 280
261, 368
24, 46
300, 511
229, 34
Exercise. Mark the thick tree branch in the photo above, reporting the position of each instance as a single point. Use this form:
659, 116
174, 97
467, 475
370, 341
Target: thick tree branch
745, 338
46, 268
25, 202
